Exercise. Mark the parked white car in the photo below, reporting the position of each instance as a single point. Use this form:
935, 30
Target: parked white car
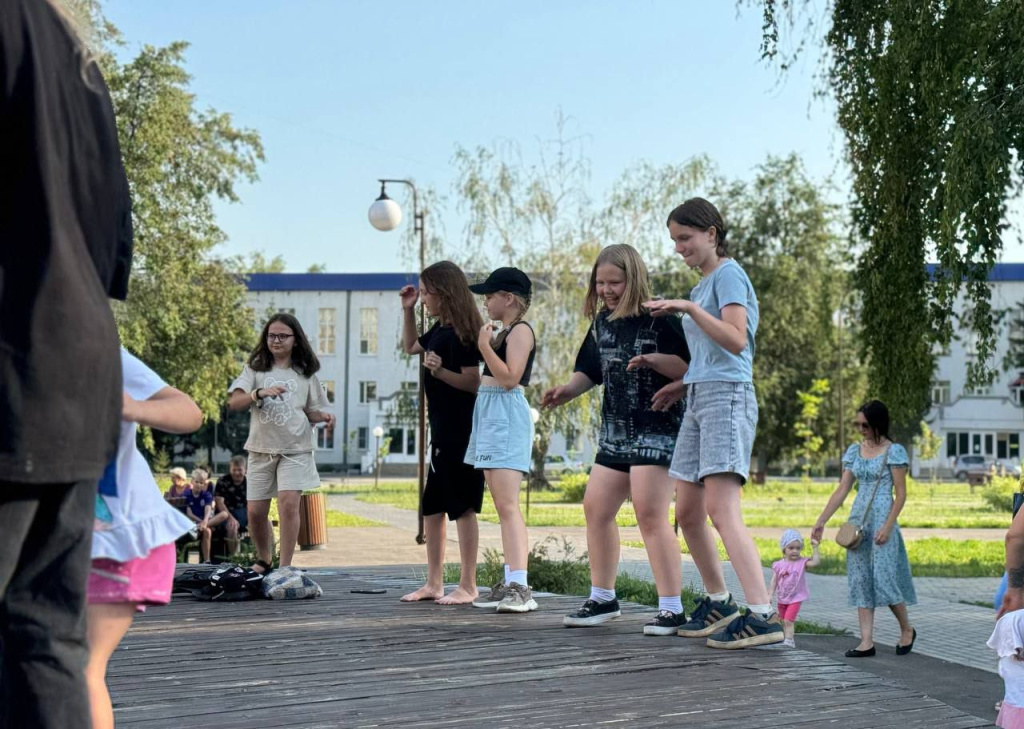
555, 465
967, 465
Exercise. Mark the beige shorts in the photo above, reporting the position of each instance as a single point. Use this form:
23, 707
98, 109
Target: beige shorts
269, 473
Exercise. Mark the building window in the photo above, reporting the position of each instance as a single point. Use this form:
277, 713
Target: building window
324, 439
364, 437
410, 442
367, 331
959, 444
367, 392
286, 311
410, 386
940, 393
978, 391
326, 338
396, 435
328, 386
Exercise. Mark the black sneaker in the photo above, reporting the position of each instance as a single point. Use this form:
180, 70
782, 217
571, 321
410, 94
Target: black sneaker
749, 630
592, 613
665, 623
710, 616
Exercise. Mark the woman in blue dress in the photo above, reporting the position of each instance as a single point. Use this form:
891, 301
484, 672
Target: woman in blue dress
877, 571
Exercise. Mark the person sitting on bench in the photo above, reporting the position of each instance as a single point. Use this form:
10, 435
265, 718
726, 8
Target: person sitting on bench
200, 510
229, 497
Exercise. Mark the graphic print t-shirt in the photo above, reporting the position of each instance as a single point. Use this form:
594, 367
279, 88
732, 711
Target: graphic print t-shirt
450, 410
631, 431
280, 425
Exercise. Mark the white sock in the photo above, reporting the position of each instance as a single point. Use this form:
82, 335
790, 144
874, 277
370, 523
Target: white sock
719, 596
765, 610
506, 574
601, 595
517, 576
672, 603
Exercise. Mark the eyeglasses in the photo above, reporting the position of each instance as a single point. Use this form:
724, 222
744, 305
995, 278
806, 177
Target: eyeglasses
278, 337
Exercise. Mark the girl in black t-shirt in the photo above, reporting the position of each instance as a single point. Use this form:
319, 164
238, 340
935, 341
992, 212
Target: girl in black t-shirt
453, 376
633, 355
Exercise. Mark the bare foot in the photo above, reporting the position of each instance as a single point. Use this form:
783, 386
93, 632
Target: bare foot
424, 593
459, 596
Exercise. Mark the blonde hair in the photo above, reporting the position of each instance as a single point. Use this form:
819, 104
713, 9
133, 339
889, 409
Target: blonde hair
205, 475
523, 304
638, 282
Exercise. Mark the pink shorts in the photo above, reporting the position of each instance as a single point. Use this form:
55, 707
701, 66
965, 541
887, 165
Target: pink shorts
1010, 716
789, 611
145, 581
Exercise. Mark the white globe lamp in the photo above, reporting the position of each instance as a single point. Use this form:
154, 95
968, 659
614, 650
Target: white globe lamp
385, 214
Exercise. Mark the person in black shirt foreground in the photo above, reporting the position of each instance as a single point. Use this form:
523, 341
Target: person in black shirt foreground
452, 361
65, 247
633, 355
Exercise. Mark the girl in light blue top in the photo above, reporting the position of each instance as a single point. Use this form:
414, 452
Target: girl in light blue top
712, 455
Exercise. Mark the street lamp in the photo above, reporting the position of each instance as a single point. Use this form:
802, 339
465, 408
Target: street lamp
385, 214
378, 432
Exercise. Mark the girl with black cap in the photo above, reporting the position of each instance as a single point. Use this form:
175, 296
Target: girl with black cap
502, 437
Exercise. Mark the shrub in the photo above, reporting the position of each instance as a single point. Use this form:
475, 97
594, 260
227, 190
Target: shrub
999, 494
573, 487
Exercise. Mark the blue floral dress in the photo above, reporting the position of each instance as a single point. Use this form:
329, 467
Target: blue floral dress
877, 575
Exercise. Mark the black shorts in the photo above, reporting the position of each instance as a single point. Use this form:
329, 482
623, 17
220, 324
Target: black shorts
453, 487
616, 464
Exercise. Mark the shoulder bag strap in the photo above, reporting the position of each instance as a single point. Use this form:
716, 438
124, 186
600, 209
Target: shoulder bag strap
878, 481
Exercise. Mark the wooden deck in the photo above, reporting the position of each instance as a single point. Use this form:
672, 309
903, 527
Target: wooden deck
350, 660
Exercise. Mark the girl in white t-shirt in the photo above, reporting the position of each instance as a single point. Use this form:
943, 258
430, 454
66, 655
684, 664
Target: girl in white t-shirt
133, 553
279, 387
1008, 642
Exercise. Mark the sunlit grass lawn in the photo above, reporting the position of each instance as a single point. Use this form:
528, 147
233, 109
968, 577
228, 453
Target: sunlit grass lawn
337, 518
932, 557
776, 504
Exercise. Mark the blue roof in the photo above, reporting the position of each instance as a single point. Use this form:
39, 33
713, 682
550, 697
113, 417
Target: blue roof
329, 281
999, 272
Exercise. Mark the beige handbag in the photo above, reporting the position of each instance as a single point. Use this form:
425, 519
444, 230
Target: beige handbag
851, 533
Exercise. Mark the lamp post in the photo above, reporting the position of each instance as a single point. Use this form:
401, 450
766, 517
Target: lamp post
378, 432
385, 214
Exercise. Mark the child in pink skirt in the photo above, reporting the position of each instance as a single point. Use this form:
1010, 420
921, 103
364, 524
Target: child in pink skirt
133, 553
1008, 642
790, 581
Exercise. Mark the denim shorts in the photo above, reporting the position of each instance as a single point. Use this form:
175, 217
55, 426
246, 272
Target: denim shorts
717, 433
502, 430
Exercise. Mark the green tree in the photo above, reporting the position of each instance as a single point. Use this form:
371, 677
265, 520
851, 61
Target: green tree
807, 428
927, 444
185, 315
931, 104
257, 262
786, 235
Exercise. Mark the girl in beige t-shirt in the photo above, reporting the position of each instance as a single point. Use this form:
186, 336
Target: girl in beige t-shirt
280, 388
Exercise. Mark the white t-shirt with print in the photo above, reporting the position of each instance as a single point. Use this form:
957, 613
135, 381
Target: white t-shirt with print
132, 517
279, 424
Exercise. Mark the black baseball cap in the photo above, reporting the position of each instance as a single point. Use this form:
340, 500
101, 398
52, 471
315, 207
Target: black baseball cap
508, 279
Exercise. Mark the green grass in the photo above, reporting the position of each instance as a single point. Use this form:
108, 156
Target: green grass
931, 557
775, 504
571, 576
337, 518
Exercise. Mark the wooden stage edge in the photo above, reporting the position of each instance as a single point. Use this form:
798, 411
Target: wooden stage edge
356, 660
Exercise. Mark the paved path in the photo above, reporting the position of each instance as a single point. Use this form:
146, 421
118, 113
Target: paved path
947, 628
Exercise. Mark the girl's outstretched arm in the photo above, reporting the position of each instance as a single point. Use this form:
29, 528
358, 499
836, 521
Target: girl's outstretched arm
169, 410
578, 384
815, 559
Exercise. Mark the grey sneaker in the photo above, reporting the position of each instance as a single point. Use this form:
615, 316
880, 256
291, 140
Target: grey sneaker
518, 600
495, 596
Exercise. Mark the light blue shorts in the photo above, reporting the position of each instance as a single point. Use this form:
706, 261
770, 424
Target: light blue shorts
717, 432
502, 430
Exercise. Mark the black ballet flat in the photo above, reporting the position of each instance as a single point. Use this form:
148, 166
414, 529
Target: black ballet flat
902, 650
854, 653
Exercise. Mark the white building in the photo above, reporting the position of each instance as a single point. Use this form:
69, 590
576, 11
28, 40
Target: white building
987, 421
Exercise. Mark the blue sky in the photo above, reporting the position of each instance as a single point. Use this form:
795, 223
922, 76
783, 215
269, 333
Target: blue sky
346, 92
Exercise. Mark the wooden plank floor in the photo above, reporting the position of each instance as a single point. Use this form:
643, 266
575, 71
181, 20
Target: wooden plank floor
349, 660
